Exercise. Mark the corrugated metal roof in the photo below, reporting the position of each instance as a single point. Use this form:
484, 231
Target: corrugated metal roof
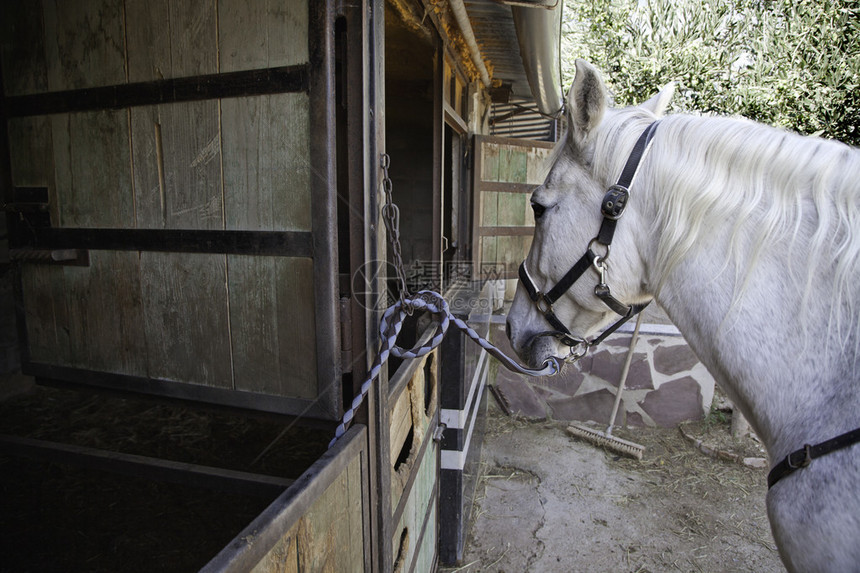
496, 35
493, 25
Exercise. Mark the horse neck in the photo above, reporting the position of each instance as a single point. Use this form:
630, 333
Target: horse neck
766, 343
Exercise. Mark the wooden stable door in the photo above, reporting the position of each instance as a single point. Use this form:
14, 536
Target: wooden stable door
171, 215
506, 171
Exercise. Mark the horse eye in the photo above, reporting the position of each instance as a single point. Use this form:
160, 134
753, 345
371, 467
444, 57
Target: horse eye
538, 209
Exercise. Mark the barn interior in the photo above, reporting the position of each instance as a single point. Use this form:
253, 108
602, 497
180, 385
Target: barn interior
154, 249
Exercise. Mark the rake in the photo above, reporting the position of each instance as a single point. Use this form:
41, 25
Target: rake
606, 439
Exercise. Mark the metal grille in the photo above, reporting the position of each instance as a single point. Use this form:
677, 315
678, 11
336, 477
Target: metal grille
519, 118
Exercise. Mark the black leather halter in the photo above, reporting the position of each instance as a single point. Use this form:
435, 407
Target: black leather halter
612, 208
803, 457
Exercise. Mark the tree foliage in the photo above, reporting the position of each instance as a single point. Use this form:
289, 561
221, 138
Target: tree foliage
790, 63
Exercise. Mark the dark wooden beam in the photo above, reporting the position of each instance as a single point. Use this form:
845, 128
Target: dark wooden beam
146, 467
271, 243
213, 86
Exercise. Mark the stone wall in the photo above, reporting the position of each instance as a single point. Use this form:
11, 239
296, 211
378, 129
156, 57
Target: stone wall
666, 384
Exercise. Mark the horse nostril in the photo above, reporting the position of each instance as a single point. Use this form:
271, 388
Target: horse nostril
508, 328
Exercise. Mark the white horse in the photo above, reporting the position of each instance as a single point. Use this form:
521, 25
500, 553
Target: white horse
749, 238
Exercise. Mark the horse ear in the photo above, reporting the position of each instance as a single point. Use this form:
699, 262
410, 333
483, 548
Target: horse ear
586, 102
658, 103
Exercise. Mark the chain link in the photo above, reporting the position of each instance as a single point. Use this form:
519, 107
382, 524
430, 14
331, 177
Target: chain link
391, 219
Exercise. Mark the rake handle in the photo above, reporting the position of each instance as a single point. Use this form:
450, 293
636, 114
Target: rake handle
624, 371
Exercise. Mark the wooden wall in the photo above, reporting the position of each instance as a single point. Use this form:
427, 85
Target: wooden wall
234, 321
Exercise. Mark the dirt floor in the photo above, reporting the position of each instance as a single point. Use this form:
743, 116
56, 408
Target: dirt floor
548, 502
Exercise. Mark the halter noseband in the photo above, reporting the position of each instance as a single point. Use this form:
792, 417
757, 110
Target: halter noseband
612, 208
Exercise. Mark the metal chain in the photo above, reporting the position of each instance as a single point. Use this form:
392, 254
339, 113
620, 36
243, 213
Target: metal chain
391, 219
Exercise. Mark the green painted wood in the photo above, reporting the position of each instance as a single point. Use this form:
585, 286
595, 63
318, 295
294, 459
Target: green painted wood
512, 209
490, 209
416, 510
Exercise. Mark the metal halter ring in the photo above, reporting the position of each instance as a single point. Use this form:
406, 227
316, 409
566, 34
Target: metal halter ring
542, 303
598, 258
573, 356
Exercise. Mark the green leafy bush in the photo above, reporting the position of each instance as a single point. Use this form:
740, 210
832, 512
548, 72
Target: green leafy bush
790, 63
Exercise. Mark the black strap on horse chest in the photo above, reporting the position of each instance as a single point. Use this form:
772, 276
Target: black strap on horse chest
612, 207
804, 456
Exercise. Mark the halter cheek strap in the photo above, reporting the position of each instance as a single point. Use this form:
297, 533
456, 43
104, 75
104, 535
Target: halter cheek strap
612, 207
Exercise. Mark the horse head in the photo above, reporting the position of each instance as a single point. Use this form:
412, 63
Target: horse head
567, 209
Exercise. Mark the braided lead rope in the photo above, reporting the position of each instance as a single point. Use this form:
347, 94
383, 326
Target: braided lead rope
389, 330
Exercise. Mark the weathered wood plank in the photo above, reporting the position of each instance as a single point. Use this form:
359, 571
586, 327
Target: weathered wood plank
185, 313
22, 48
84, 43
400, 424
279, 29
106, 329
537, 166
490, 162
489, 208
176, 152
325, 536
504, 173
177, 181
284, 556
416, 509
512, 209
31, 157
91, 160
266, 162
46, 313
518, 161
82, 316
266, 171
272, 324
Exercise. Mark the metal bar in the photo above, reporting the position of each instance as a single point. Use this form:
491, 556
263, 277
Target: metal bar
517, 142
54, 375
146, 467
261, 535
284, 79
270, 243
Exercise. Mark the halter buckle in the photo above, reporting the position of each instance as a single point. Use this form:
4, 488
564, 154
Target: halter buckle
614, 202
807, 458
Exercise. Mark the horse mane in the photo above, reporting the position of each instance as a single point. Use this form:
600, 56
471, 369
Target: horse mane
781, 193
